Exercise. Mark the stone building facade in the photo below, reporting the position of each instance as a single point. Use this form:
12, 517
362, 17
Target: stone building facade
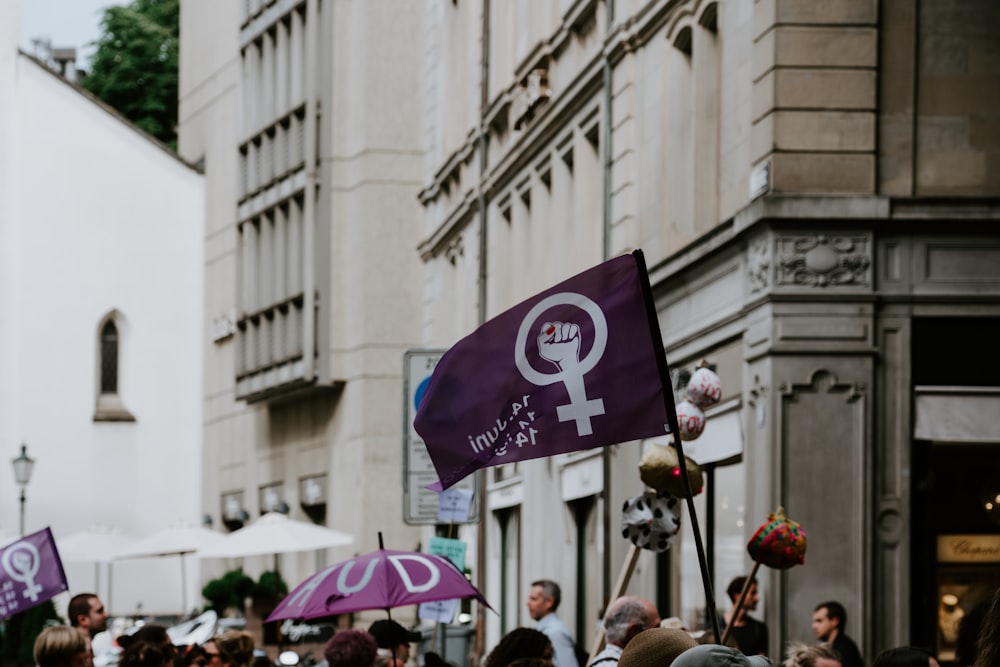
816, 188
307, 119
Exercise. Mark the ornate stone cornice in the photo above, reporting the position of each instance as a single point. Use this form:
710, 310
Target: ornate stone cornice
823, 260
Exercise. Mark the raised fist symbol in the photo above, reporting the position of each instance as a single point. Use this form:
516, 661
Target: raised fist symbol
559, 342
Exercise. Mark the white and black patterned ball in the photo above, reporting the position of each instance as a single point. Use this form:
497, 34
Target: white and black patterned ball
652, 520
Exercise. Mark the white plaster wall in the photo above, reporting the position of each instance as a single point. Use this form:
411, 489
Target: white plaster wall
9, 191
107, 220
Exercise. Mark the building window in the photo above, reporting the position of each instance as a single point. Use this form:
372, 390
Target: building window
110, 406
109, 358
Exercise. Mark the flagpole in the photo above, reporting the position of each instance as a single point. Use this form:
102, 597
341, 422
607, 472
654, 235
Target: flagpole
668, 401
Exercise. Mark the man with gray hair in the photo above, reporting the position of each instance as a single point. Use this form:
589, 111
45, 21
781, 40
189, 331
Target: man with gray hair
543, 600
625, 618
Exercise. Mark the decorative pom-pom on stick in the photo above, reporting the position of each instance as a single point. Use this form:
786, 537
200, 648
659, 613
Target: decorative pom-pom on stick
779, 543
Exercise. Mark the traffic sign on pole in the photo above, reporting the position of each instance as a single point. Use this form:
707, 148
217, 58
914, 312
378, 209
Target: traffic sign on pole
420, 505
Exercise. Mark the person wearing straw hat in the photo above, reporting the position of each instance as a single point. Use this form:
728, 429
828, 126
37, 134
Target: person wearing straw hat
625, 618
658, 647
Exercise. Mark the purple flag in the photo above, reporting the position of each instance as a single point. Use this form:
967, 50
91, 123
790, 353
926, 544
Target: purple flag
31, 572
574, 367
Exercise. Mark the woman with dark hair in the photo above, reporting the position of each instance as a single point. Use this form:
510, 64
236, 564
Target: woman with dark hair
192, 655
140, 653
152, 634
519, 644
988, 644
905, 656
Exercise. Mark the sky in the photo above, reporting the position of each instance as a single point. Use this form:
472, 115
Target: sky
68, 23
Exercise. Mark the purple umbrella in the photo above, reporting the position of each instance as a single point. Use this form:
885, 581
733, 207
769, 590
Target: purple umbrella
382, 579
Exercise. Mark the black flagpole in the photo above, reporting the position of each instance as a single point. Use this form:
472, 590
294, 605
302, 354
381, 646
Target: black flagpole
668, 400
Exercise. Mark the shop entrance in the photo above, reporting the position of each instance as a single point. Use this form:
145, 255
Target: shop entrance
956, 545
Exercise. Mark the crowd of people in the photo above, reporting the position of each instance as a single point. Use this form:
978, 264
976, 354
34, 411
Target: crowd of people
634, 636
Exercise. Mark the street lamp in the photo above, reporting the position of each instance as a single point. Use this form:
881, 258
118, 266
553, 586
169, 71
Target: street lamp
23, 465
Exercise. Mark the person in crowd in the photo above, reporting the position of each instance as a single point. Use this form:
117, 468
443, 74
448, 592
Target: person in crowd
383, 658
716, 655
62, 646
905, 656
520, 644
531, 662
393, 640
192, 655
829, 623
658, 647
543, 601
749, 634
811, 655
988, 644
151, 633
233, 648
350, 648
968, 633
432, 659
625, 618
87, 614
143, 653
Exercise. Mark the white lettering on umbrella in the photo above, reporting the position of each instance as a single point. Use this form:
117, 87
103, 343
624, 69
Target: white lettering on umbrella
342, 579
435, 577
309, 587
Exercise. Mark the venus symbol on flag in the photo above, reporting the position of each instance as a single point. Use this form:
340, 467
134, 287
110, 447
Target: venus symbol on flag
571, 368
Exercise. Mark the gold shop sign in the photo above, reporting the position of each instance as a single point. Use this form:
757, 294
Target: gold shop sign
968, 549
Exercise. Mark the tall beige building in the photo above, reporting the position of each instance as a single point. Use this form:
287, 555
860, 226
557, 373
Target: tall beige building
815, 187
306, 116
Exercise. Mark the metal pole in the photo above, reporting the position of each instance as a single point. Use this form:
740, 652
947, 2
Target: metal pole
22, 511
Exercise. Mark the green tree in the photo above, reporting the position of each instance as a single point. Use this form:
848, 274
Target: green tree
134, 69
20, 632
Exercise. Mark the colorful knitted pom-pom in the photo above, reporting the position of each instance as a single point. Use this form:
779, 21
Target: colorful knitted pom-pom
779, 543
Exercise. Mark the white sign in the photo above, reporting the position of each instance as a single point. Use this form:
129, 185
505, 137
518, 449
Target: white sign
421, 505
760, 180
455, 505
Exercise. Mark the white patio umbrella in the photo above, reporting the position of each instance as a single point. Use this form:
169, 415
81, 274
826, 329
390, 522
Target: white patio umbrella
178, 539
274, 533
95, 544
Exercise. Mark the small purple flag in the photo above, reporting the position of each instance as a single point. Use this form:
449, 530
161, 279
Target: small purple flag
31, 572
574, 367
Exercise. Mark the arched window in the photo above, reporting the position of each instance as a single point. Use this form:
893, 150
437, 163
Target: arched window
110, 406
109, 358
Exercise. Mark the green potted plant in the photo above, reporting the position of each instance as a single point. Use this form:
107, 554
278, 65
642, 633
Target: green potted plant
267, 592
228, 592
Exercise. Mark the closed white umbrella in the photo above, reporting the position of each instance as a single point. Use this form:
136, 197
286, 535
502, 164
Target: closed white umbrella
275, 533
